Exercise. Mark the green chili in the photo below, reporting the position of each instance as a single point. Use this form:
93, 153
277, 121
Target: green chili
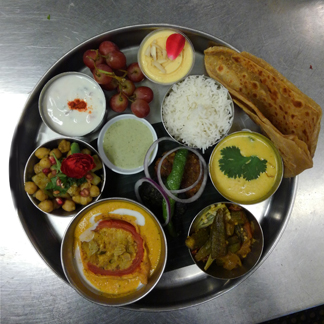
173, 183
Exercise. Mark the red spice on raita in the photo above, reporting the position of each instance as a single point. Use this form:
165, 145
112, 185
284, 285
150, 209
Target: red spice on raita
78, 104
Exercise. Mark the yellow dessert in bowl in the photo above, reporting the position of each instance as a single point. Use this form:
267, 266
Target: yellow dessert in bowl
155, 63
246, 168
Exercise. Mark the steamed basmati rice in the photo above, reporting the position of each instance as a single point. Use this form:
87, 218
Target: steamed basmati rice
198, 112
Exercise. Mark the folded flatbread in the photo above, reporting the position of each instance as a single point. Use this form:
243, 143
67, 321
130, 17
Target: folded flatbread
285, 114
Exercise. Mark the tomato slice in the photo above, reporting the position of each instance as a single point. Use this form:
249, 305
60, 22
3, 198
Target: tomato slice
120, 224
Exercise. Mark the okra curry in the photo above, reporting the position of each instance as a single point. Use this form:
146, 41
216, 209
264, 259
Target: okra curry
222, 235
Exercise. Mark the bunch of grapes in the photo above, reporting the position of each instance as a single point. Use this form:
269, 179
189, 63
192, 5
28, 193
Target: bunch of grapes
109, 69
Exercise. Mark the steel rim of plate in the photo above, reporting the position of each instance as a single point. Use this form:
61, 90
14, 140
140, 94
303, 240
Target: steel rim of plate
16, 189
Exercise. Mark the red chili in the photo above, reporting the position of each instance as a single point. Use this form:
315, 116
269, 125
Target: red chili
120, 224
78, 104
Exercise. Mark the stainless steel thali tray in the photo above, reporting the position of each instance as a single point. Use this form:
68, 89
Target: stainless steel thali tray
182, 284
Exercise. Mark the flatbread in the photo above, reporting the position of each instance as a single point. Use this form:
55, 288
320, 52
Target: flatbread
285, 114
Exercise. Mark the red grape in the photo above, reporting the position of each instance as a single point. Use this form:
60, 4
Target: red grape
112, 85
121, 72
140, 108
144, 93
100, 77
116, 60
106, 47
118, 102
134, 73
90, 57
127, 87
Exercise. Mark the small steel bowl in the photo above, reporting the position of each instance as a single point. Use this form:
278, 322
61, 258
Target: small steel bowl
109, 161
32, 160
259, 195
180, 138
158, 77
248, 263
73, 268
59, 117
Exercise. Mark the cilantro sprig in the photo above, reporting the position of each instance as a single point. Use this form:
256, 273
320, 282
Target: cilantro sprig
234, 165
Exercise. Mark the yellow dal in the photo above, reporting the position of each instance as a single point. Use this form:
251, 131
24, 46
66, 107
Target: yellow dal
175, 69
241, 190
149, 232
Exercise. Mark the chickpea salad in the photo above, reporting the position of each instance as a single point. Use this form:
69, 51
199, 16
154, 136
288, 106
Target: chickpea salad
64, 177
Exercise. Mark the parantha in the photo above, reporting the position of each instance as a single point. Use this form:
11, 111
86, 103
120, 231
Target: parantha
285, 114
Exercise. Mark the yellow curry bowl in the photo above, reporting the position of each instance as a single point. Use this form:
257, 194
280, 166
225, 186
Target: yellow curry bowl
245, 167
114, 252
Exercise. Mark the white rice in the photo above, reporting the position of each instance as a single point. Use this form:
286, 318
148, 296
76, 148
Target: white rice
198, 112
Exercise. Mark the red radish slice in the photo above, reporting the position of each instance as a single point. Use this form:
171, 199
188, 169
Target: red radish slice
174, 45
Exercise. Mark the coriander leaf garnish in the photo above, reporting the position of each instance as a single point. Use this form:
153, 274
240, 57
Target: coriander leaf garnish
52, 185
235, 165
57, 165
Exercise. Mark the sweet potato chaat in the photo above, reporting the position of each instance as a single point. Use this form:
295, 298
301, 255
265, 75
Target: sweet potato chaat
223, 235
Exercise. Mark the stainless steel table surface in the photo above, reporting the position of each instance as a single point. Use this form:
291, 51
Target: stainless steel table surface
289, 34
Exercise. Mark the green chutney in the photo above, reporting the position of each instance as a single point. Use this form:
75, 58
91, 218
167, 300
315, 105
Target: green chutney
126, 142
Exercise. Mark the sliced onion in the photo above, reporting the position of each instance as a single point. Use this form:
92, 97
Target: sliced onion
191, 186
170, 193
162, 192
149, 152
203, 184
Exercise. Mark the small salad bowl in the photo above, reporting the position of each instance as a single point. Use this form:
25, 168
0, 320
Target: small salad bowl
51, 190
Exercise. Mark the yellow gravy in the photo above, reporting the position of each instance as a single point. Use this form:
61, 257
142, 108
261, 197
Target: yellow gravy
241, 190
173, 70
149, 231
